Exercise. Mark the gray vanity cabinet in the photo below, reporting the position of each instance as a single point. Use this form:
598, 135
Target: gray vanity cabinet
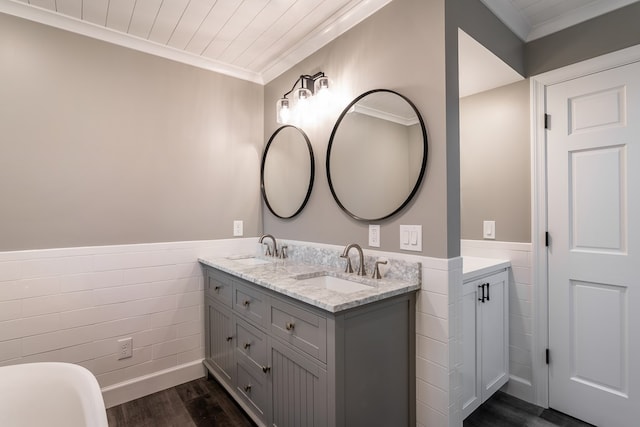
290, 364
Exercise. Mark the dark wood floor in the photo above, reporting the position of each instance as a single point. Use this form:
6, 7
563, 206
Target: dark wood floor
204, 403
503, 410
199, 403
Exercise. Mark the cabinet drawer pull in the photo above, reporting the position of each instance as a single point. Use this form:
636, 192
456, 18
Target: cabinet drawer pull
246, 303
247, 345
247, 388
289, 326
484, 297
229, 339
266, 369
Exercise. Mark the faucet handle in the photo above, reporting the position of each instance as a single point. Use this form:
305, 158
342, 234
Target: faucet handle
376, 270
267, 251
348, 268
283, 251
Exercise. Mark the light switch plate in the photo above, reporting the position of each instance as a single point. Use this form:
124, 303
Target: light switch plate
374, 236
489, 229
237, 228
411, 238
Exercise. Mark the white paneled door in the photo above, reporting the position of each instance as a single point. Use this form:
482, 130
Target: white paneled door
593, 159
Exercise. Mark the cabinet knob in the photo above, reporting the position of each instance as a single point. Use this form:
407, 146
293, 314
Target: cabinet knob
217, 289
247, 388
289, 326
229, 339
266, 369
247, 345
246, 303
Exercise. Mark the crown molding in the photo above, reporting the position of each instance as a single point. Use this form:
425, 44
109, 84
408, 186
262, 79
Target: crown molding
510, 16
576, 16
385, 115
67, 23
311, 43
520, 25
321, 36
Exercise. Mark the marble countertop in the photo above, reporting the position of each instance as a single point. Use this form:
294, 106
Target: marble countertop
287, 278
473, 267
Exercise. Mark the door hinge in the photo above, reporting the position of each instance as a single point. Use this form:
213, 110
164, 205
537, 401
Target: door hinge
546, 356
547, 121
546, 238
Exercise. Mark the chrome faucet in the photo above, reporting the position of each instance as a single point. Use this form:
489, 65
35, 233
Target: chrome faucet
345, 254
269, 252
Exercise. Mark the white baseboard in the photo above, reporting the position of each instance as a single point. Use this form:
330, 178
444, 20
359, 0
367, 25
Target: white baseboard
142, 386
520, 388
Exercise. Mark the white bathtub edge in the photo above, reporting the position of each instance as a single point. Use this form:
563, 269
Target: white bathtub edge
142, 386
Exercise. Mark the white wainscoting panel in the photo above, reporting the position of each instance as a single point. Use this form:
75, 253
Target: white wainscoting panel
73, 304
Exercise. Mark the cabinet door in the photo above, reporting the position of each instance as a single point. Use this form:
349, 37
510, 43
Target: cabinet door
298, 389
471, 377
220, 345
494, 330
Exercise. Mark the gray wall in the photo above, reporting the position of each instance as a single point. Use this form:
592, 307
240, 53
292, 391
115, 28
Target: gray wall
401, 48
104, 145
480, 23
495, 175
410, 46
607, 33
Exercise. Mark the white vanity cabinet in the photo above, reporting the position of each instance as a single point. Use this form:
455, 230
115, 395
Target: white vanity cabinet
290, 364
485, 320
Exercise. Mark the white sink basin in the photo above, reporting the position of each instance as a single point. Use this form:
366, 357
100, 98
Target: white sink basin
50, 394
250, 261
335, 284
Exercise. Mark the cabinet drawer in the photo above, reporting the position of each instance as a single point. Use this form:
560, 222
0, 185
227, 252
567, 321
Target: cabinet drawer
299, 327
252, 385
251, 304
219, 287
251, 342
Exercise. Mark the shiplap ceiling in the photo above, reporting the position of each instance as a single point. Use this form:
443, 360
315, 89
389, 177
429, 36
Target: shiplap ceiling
257, 40
251, 39
532, 19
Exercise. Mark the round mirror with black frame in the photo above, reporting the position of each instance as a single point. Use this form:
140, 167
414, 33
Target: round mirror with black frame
287, 172
377, 155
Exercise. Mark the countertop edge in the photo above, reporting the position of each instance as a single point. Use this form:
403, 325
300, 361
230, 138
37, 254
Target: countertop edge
478, 267
244, 272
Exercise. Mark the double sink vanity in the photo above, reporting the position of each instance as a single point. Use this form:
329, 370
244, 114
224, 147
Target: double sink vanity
298, 343
299, 334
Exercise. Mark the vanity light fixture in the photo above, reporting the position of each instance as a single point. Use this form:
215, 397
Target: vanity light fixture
315, 86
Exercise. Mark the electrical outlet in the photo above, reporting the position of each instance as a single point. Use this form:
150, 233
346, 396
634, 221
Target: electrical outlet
237, 228
125, 348
374, 236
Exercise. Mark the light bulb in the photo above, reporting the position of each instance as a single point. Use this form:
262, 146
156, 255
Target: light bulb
283, 113
321, 86
322, 94
303, 100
